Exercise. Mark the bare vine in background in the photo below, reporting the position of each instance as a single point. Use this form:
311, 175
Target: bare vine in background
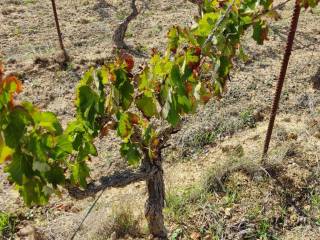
56, 19
119, 35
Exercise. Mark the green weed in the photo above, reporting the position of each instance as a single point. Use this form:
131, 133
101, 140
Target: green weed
7, 224
247, 119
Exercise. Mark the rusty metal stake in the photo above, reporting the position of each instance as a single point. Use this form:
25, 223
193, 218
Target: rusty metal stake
275, 105
66, 57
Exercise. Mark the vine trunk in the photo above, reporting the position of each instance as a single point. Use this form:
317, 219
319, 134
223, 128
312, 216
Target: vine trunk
155, 201
56, 19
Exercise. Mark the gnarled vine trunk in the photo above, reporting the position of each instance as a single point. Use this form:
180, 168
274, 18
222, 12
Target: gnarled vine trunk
155, 202
119, 35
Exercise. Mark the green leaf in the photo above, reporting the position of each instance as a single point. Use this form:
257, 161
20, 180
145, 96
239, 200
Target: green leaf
175, 76
40, 166
86, 102
90, 148
246, 20
125, 88
311, 3
74, 127
104, 75
32, 191
173, 39
130, 152
36, 146
147, 105
87, 78
170, 110
64, 146
55, 176
79, 174
260, 32
5, 151
124, 127
206, 24
147, 135
225, 66
48, 121
184, 103
242, 55
266, 3
17, 125
19, 167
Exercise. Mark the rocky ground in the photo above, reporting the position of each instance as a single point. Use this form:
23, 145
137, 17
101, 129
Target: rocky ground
224, 135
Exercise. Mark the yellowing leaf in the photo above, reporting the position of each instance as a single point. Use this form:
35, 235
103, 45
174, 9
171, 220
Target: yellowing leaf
5, 152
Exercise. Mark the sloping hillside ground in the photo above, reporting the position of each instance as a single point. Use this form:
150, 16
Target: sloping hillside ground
225, 136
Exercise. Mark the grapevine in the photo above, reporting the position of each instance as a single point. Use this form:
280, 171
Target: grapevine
56, 19
40, 156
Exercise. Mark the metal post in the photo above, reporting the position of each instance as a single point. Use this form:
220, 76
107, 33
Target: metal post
275, 105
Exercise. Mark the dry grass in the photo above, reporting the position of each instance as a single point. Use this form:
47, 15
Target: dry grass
121, 223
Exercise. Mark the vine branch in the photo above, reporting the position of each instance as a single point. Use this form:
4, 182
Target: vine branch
56, 19
118, 179
219, 22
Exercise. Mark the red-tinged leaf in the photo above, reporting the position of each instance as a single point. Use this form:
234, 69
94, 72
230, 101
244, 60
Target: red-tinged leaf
12, 79
112, 77
154, 51
157, 88
104, 131
189, 88
124, 127
195, 72
133, 118
111, 125
205, 98
197, 51
1, 71
260, 32
128, 59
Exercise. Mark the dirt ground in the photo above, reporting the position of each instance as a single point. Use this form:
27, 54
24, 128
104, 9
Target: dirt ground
29, 48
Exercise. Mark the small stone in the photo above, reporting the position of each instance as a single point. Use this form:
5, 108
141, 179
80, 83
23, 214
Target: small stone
29, 233
195, 236
113, 236
317, 135
258, 116
84, 21
166, 8
227, 212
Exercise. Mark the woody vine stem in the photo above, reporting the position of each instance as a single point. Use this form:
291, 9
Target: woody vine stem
56, 19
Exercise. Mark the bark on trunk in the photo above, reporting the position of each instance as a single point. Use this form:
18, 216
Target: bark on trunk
119, 35
155, 202
56, 19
